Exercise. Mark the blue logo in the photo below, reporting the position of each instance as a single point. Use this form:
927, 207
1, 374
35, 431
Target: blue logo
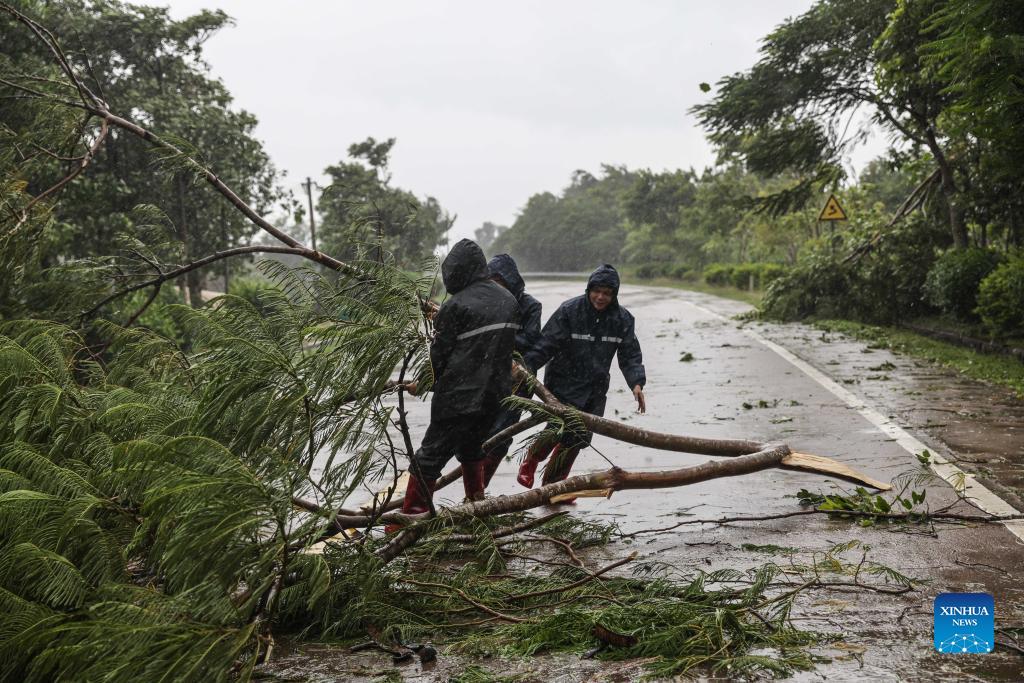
964, 623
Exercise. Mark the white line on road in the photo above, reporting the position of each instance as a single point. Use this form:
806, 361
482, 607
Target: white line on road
949, 472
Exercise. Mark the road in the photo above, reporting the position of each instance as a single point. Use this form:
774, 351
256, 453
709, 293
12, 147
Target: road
804, 379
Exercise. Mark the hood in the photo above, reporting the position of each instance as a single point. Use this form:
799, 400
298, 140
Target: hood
605, 276
505, 267
464, 265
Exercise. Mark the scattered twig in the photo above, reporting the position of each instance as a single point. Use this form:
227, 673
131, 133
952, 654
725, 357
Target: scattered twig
462, 594
575, 584
509, 530
913, 517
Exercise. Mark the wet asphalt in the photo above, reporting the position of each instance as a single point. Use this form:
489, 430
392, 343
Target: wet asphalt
738, 387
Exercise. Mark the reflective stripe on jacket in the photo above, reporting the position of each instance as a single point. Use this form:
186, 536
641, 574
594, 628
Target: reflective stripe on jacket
474, 337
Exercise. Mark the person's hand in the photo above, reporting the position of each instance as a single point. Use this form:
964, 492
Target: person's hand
410, 388
641, 403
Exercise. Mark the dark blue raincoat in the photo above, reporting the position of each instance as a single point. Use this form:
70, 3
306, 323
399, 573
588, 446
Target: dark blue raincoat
578, 345
528, 335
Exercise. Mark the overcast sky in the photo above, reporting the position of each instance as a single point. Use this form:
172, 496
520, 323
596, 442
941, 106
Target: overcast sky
490, 102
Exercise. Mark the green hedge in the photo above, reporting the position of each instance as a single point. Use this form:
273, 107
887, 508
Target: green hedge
717, 274
676, 271
1001, 298
739, 275
953, 281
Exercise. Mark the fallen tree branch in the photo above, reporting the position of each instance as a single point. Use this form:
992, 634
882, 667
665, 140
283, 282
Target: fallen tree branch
615, 479
911, 203
188, 267
920, 517
462, 594
83, 162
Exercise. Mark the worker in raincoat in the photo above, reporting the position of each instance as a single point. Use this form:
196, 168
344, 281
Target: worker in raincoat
503, 270
471, 358
578, 344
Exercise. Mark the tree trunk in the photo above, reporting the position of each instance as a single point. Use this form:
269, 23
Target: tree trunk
949, 191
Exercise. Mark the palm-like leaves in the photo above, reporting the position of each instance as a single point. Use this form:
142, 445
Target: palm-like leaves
146, 504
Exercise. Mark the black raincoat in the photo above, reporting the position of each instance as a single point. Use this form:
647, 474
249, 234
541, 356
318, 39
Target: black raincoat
528, 335
579, 341
475, 333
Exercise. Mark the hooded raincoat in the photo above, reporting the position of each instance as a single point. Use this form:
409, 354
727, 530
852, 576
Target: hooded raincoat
504, 266
528, 334
580, 342
475, 334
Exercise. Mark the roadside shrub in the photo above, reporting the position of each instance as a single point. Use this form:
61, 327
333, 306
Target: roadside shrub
718, 274
743, 273
681, 272
884, 286
1001, 298
770, 272
952, 283
815, 287
648, 271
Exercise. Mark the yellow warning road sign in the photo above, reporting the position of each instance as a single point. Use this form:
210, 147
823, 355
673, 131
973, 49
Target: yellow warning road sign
832, 210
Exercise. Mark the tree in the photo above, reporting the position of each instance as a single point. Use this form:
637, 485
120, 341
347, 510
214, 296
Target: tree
976, 54
791, 111
581, 228
487, 233
364, 216
138, 58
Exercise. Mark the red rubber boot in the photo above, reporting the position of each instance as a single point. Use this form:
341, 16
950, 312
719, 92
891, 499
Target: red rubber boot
473, 479
558, 469
417, 499
537, 454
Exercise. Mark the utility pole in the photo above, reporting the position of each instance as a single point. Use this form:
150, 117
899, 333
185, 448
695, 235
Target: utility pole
308, 185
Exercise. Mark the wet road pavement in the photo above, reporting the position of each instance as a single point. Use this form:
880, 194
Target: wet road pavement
738, 387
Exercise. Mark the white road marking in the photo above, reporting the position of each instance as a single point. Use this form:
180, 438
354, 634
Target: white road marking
949, 472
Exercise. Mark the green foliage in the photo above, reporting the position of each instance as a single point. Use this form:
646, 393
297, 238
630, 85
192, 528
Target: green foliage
676, 271
96, 221
978, 55
746, 275
1001, 298
953, 281
254, 290
871, 508
146, 516
719, 274
884, 286
365, 218
786, 113
576, 231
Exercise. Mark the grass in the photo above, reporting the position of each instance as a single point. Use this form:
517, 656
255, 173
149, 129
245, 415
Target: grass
945, 323
1001, 370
